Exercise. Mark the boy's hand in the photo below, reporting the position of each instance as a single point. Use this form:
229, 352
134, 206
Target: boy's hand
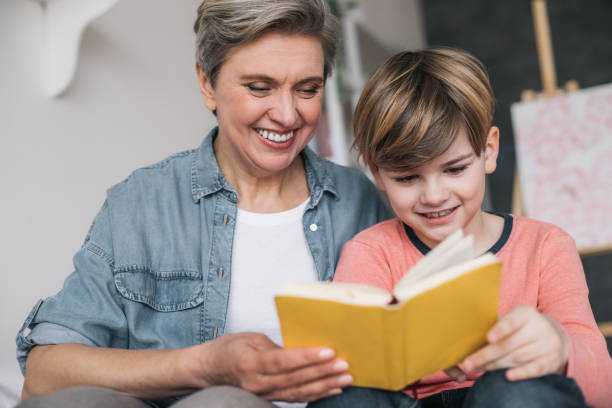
526, 341
254, 363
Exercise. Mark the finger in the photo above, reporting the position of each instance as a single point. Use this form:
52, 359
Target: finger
456, 374
286, 360
311, 391
509, 323
335, 368
533, 369
491, 354
520, 356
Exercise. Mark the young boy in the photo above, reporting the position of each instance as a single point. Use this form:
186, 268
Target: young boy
423, 126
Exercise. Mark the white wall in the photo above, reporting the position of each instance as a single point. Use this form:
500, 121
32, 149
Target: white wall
395, 23
134, 100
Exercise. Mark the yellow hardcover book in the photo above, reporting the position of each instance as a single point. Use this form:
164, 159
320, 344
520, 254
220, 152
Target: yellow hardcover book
438, 314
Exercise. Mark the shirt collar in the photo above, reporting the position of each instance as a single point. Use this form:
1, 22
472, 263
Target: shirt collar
497, 246
207, 178
318, 176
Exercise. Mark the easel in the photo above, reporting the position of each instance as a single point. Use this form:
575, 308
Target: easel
549, 85
548, 75
549, 89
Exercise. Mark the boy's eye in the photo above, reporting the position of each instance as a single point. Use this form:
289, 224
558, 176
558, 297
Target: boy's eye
406, 179
456, 170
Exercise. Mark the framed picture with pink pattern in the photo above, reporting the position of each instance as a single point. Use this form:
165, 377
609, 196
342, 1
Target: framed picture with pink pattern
564, 157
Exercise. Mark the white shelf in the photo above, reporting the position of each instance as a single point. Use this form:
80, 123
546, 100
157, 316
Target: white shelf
65, 21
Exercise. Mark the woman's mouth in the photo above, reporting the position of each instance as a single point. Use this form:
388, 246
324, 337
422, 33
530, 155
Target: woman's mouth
275, 137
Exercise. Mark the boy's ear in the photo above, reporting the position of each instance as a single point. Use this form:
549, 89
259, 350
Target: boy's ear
491, 150
377, 177
206, 89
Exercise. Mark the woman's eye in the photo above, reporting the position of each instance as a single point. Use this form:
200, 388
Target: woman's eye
309, 92
258, 87
456, 170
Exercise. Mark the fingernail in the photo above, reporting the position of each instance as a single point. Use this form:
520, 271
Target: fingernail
341, 366
346, 379
326, 353
335, 391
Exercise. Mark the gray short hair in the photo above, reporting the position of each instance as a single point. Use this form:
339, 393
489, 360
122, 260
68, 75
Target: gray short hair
225, 24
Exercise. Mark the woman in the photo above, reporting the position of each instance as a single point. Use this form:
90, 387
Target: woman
172, 289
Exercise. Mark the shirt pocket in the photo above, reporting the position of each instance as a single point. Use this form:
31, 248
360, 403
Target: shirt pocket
163, 291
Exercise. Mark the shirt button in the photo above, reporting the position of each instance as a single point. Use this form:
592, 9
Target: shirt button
313, 227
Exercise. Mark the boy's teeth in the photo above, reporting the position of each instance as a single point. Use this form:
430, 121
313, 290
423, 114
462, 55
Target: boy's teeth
275, 137
438, 214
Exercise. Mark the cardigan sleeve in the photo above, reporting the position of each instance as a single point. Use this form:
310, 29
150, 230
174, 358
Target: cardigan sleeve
563, 295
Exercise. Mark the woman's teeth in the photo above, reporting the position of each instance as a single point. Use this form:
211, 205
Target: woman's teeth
438, 214
275, 137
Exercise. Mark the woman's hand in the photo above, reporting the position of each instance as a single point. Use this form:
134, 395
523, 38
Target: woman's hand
526, 341
254, 363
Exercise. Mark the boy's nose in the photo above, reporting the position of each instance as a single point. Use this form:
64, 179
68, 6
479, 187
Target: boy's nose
434, 194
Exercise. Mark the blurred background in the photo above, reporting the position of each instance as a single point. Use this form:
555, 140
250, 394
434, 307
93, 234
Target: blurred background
133, 100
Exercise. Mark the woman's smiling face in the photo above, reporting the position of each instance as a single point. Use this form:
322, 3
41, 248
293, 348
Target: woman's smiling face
268, 97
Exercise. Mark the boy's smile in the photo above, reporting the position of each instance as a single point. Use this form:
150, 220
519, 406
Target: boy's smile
444, 194
439, 216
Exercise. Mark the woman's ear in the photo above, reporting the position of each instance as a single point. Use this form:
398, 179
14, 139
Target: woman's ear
206, 89
491, 150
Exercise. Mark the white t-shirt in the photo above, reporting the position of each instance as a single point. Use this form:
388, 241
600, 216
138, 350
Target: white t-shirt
268, 250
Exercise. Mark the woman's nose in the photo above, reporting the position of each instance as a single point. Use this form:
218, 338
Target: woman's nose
284, 110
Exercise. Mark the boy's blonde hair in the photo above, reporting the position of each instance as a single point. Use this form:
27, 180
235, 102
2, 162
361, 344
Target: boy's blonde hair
416, 103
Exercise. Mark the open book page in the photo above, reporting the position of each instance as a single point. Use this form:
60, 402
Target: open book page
351, 293
407, 291
455, 249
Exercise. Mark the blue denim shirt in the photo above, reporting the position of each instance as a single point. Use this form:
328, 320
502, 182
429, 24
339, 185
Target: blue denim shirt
154, 270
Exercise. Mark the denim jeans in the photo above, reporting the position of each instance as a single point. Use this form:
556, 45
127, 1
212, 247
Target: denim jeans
96, 397
491, 390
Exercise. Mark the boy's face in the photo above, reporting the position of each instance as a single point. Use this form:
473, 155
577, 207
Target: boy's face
444, 194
